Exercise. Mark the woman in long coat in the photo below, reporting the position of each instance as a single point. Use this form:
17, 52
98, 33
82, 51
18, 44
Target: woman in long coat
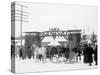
88, 55
85, 54
66, 53
20, 53
95, 56
53, 52
29, 52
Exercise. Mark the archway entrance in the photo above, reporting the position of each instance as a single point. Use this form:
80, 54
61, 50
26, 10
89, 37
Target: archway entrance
73, 37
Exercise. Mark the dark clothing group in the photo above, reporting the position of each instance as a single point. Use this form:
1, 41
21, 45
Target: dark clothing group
88, 55
60, 51
88, 52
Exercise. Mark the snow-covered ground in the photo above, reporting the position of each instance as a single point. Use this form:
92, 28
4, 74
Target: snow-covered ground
29, 65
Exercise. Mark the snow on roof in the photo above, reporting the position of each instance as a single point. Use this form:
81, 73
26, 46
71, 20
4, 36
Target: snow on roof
61, 39
54, 43
47, 39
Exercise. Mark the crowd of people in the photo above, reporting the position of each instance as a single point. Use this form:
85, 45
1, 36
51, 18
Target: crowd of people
88, 51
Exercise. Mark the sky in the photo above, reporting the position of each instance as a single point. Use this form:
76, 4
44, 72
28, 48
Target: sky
43, 16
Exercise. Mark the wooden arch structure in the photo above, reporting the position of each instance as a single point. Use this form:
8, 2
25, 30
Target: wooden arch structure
72, 36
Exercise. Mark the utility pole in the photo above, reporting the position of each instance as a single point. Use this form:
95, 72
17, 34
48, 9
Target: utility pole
19, 15
21, 23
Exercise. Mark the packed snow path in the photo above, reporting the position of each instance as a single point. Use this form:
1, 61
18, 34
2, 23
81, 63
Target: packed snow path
30, 65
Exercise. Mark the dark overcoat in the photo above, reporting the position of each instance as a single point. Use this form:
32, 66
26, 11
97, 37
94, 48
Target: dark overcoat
53, 51
95, 54
88, 55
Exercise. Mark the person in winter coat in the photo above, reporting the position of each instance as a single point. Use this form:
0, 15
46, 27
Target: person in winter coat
88, 55
53, 52
29, 52
95, 56
85, 53
20, 53
66, 53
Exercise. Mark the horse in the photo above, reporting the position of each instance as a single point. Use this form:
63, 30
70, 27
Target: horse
40, 53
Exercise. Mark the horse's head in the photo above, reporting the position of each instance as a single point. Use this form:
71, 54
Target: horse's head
34, 46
